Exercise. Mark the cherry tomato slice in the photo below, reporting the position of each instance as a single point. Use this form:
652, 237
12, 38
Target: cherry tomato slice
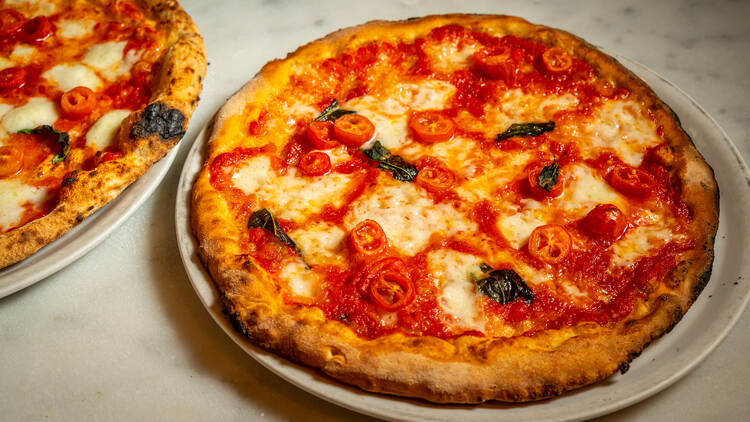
435, 177
36, 30
497, 63
12, 78
540, 192
353, 130
632, 181
10, 21
368, 238
550, 244
392, 290
432, 126
77, 103
315, 163
556, 60
605, 222
320, 135
11, 160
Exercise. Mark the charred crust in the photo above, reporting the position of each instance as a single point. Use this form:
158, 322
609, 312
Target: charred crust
161, 120
624, 367
238, 323
68, 181
79, 218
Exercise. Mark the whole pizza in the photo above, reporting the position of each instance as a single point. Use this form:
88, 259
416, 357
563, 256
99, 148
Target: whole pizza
456, 208
92, 93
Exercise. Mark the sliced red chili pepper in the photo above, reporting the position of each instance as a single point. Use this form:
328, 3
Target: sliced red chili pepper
12, 78
11, 160
432, 126
11, 22
368, 238
315, 163
36, 30
353, 130
77, 103
632, 181
320, 135
550, 244
556, 60
497, 63
605, 222
392, 290
434, 176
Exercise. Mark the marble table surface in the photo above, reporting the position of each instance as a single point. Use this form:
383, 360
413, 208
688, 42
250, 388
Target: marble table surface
120, 334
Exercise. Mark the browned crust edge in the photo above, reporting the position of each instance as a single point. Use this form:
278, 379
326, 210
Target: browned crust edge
466, 369
176, 95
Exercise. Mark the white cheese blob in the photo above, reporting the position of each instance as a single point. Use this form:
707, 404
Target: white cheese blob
641, 241
320, 242
69, 76
13, 196
516, 225
110, 60
22, 53
586, 192
301, 280
407, 215
102, 133
5, 63
4, 108
457, 292
75, 28
36, 112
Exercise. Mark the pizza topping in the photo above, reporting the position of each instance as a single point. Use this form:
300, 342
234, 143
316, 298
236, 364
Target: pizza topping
77, 103
605, 222
103, 132
36, 30
11, 21
550, 244
435, 176
498, 63
401, 170
320, 135
11, 160
547, 178
504, 286
525, 129
12, 78
368, 238
432, 126
632, 181
353, 130
556, 60
332, 112
264, 219
315, 163
63, 139
392, 290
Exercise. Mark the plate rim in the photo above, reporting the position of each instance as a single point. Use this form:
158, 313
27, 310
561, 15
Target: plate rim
82, 238
280, 366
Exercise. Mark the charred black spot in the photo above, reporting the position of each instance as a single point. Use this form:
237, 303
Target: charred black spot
624, 367
68, 181
93, 173
236, 319
159, 119
79, 218
90, 208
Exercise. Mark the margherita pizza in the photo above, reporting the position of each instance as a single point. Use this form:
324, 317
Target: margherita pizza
92, 93
456, 208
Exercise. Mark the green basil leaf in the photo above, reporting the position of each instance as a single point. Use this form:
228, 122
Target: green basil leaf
504, 286
62, 138
264, 219
400, 168
548, 176
332, 112
525, 129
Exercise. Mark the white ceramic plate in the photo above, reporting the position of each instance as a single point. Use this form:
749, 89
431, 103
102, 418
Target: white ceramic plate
82, 238
661, 364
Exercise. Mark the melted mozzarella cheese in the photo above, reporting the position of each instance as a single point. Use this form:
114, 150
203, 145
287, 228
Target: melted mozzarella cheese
290, 196
34, 8
586, 192
38, 111
110, 60
484, 178
447, 57
22, 53
103, 132
319, 242
4, 108
69, 76
407, 215
388, 111
457, 292
516, 225
518, 107
622, 127
301, 280
640, 241
77, 28
13, 196
5, 63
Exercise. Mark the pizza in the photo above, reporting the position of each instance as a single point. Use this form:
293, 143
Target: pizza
455, 208
92, 93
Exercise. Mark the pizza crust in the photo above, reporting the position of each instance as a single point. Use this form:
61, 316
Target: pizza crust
171, 105
466, 369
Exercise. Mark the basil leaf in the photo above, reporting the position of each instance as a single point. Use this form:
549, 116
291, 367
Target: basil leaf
485, 267
504, 286
264, 219
401, 170
332, 112
62, 138
525, 129
548, 176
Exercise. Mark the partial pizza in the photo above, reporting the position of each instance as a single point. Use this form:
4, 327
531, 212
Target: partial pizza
457, 208
92, 93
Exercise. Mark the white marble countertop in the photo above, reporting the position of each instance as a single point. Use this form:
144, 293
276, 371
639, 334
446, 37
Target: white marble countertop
120, 334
